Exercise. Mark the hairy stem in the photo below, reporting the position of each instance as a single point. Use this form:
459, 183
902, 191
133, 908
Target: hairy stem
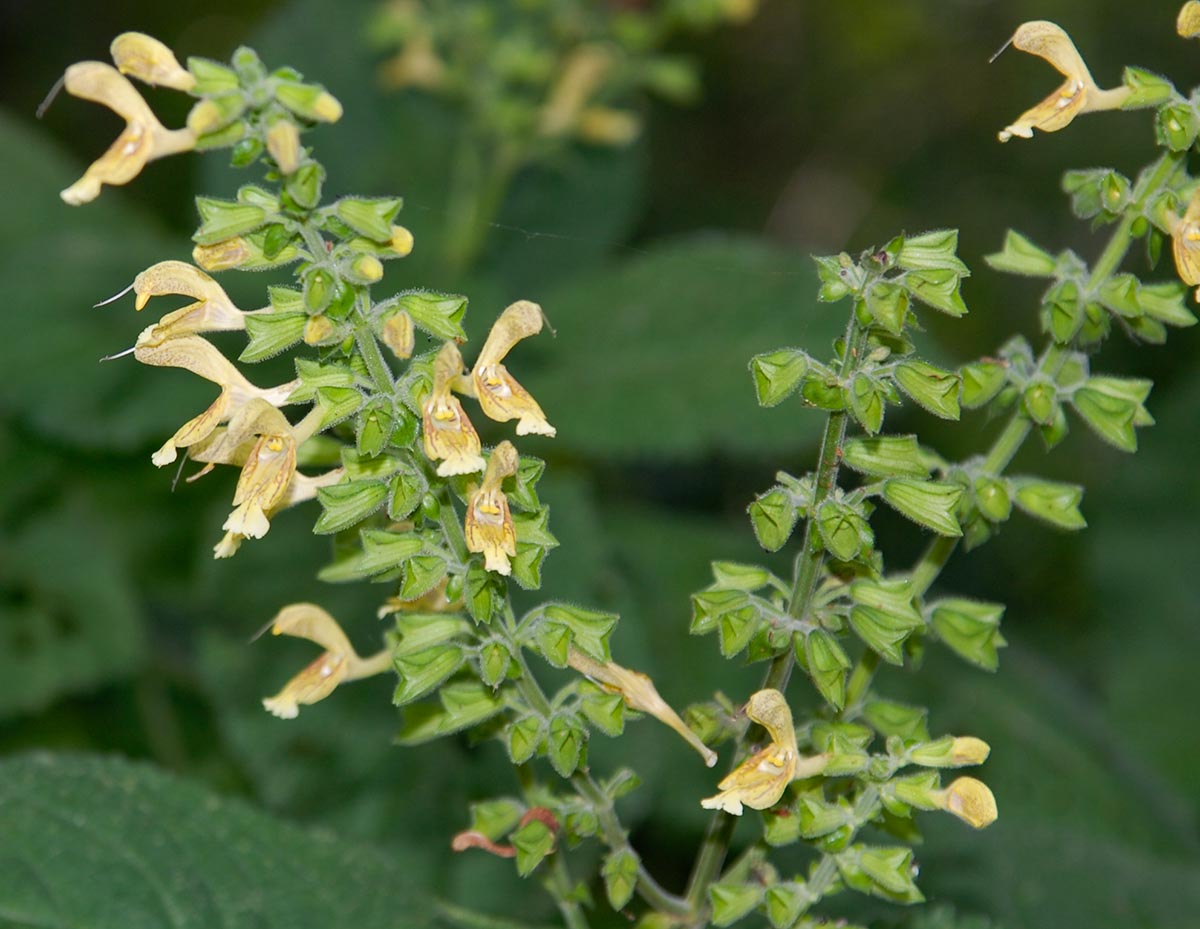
715, 843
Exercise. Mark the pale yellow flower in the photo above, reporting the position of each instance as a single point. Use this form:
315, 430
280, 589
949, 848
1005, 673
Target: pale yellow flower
338, 663
970, 800
447, 434
640, 694
283, 142
213, 311
762, 778
489, 526
417, 65
194, 354
143, 140
223, 255
1185, 243
499, 394
150, 61
1078, 94
398, 335
1188, 23
301, 488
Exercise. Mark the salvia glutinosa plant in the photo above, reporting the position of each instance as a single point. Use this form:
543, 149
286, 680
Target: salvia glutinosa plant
378, 435
534, 77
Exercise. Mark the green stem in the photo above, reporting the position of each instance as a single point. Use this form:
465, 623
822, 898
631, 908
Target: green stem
562, 888
933, 560
377, 366
715, 843
614, 833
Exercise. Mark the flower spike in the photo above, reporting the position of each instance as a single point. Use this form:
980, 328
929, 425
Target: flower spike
338, 663
143, 140
499, 394
1079, 94
213, 311
762, 778
640, 694
194, 354
150, 61
489, 526
447, 433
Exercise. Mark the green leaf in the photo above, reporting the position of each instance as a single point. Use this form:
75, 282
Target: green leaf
866, 398
1166, 303
981, 381
890, 871
777, 374
969, 627
731, 902
496, 818
888, 718
930, 503
884, 631
933, 388
348, 503
421, 672
605, 711
523, 738
733, 576
405, 492
938, 288
553, 641
886, 456
1018, 255
566, 742
421, 574
736, 628
773, 516
369, 217
590, 629
620, 872
844, 531
1055, 503
224, 219
438, 314
827, 664
932, 250
460, 705
533, 842
271, 333
107, 844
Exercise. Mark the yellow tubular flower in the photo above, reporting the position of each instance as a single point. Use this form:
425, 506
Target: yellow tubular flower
1185, 243
1079, 94
339, 662
398, 335
213, 311
1188, 23
970, 800
151, 62
499, 394
447, 434
301, 488
143, 140
762, 778
489, 526
223, 255
640, 694
283, 142
194, 354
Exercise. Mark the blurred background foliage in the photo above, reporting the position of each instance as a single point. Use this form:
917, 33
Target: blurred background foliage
663, 266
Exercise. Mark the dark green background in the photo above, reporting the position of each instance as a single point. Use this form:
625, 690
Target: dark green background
663, 268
